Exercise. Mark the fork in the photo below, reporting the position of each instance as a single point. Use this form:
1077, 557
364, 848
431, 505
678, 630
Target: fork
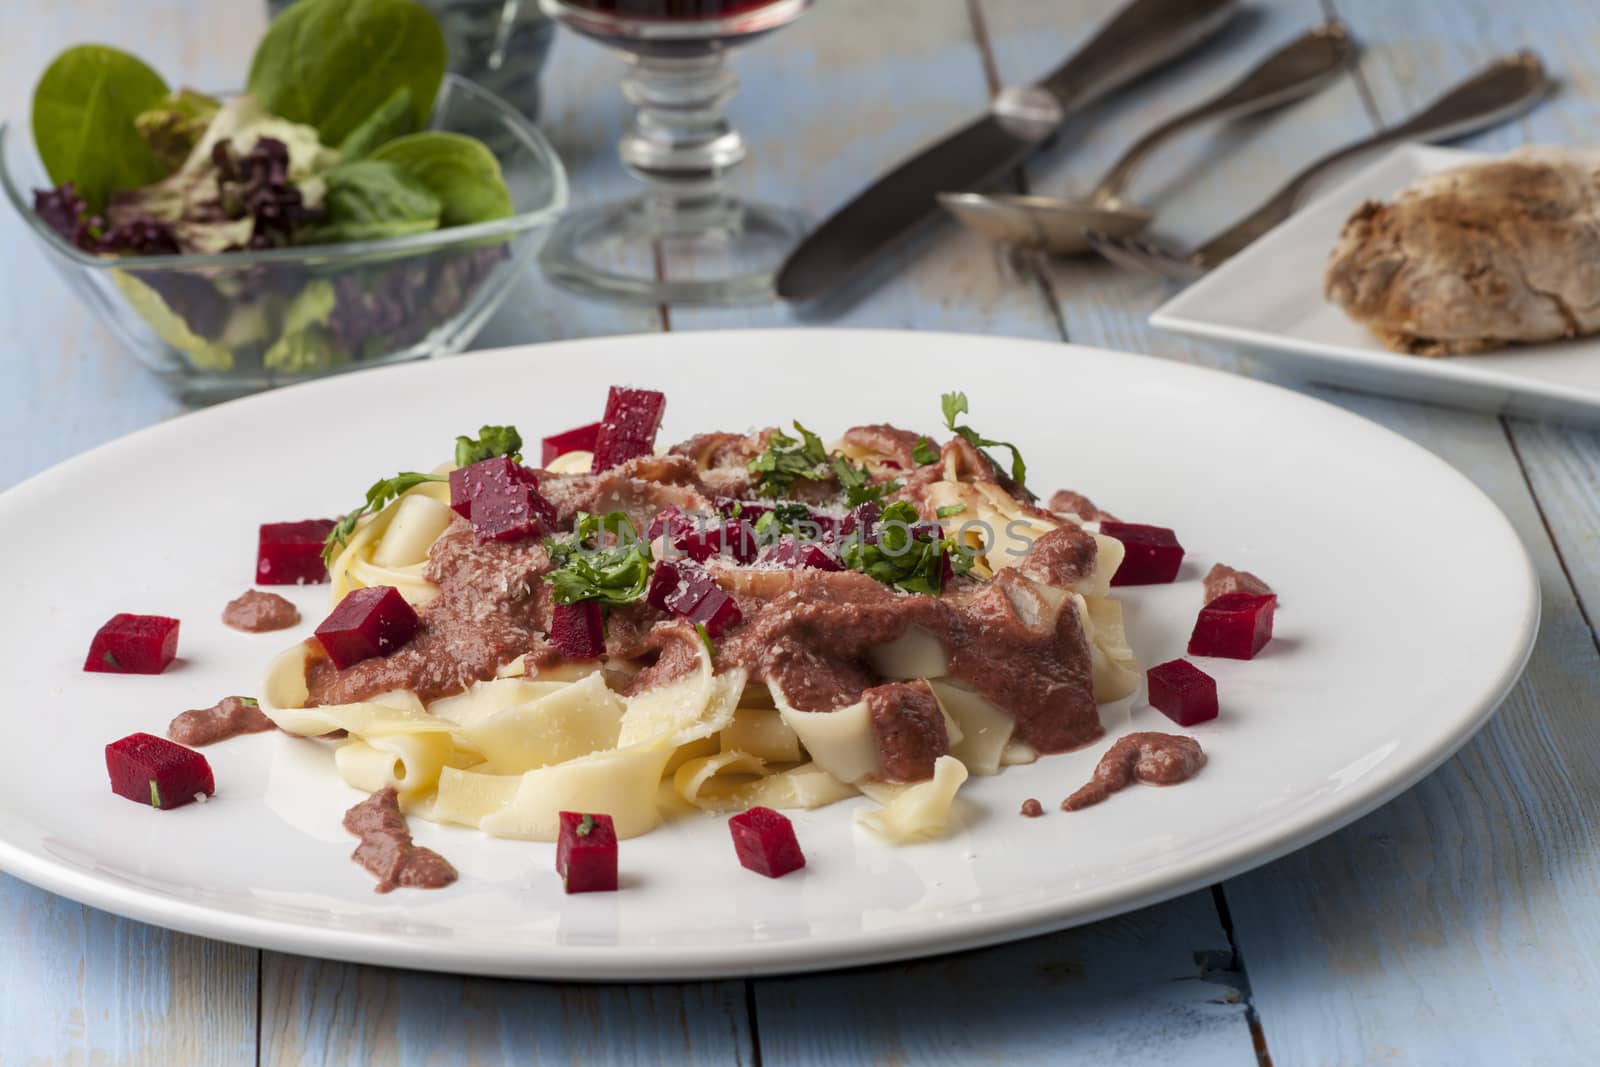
1502, 90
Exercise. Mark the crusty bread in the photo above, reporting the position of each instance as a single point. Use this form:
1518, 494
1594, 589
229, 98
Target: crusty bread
1477, 257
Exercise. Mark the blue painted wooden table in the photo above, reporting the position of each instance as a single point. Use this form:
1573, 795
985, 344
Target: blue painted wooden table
1459, 924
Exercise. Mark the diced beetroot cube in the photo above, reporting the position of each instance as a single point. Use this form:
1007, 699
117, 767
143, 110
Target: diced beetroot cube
628, 428
586, 853
1183, 692
578, 630
1235, 625
157, 772
663, 581
133, 644
791, 552
733, 536
581, 439
765, 842
290, 553
862, 516
1152, 553
374, 621
503, 501
671, 521
509, 506
686, 589
717, 611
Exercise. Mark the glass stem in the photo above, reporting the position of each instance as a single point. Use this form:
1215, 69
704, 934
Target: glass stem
680, 143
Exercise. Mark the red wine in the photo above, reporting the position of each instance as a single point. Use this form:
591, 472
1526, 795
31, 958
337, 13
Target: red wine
672, 9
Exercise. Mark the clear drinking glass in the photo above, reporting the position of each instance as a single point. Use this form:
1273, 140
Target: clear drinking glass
685, 239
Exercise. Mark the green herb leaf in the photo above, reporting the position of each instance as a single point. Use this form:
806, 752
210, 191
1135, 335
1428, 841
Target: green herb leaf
955, 404
370, 200
908, 558
458, 170
110, 660
924, 453
587, 569
333, 63
586, 827
379, 495
395, 117
949, 510
858, 487
705, 636
491, 441
155, 794
84, 109
787, 459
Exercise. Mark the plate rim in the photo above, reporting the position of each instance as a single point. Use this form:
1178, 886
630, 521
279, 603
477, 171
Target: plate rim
645, 962
1174, 316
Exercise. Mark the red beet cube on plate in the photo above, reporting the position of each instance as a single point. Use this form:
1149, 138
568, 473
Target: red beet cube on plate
628, 428
290, 553
581, 439
1152, 554
586, 853
133, 644
374, 621
1183, 692
157, 772
1235, 626
578, 630
765, 842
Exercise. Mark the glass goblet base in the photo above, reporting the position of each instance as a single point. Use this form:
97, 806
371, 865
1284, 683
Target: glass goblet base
653, 251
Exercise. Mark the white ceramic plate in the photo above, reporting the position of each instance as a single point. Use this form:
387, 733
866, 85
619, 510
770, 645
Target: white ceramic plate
1408, 608
1269, 298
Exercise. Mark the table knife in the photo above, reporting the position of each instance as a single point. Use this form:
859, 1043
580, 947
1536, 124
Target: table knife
1143, 35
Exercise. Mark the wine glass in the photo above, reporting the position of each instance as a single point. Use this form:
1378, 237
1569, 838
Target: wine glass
685, 239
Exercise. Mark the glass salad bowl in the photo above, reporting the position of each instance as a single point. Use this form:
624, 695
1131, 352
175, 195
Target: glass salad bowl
220, 326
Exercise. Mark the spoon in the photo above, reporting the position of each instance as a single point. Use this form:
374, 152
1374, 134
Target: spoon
1057, 225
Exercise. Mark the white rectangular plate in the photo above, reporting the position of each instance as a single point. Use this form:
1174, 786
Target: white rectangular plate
1269, 298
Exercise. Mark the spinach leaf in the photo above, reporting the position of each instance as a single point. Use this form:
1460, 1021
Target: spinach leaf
457, 169
393, 118
333, 63
83, 112
370, 199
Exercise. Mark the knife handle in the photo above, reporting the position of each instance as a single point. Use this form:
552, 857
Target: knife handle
1141, 37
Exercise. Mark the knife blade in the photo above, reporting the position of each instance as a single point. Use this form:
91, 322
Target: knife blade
1143, 35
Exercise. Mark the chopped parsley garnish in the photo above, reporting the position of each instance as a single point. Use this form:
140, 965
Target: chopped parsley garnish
905, 555
155, 794
491, 441
377, 497
785, 518
705, 636
250, 702
586, 827
614, 574
949, 510
858, 489
924, 453
787, 459
956, 404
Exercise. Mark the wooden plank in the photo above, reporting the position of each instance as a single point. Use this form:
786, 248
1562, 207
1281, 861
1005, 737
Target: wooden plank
834, 101
315, 1012
1454, 925
1139, 989
78, 985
